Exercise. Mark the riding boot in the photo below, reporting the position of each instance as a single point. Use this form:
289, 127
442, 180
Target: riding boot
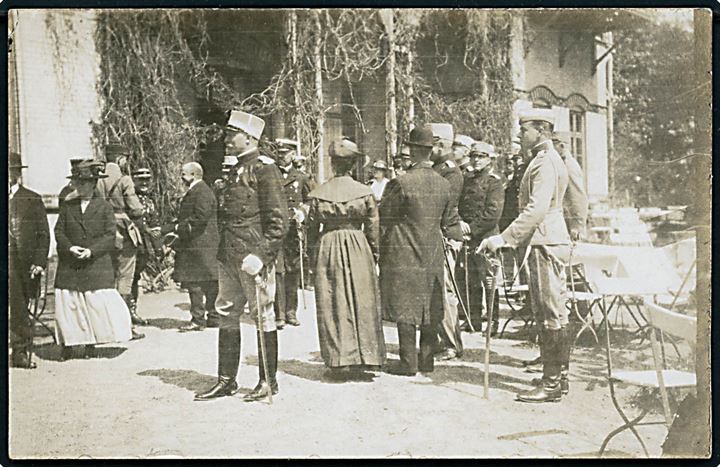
268, 381
566, 341
132, 308
228, 365
549, 390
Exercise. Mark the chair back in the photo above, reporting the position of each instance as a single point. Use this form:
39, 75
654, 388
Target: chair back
671, 322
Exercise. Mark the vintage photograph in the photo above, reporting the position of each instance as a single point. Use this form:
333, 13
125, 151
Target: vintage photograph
359, 233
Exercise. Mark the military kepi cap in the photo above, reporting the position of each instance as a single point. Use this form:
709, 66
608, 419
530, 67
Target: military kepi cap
537, 115
561, 136
247, 123
343, 148
481, 147
463, 140
142, 172
442, 131
15, 161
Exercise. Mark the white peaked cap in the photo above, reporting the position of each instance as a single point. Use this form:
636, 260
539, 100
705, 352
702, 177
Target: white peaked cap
247, 123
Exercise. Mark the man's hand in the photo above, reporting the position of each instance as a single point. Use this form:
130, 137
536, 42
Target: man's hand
299, 215
465, 228
36, 271
86, 253
491, 244
76, 250
252, 265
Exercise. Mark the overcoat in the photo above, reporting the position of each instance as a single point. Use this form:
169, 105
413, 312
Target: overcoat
93, 229
197, 244
416, 210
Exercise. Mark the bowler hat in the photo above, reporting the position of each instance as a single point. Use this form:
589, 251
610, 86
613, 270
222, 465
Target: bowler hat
86, 170
343, 148
15, 161
421, 136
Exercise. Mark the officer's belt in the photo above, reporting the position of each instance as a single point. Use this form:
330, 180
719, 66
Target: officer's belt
327, 228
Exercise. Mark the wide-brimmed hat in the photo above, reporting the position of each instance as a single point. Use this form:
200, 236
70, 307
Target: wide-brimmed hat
343, 148
15, 161
86, 170
421, 136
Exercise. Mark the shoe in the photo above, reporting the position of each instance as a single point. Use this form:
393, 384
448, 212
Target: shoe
137, 320
212, 321
66, 353
89, 352
399, 371
293, 321
136, 336
564, 386
261, 391
193, 326
223, 388
493, 329
447, 354
533, 366
21, 359
279, 323
546, 392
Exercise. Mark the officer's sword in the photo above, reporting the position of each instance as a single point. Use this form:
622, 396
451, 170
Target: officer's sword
302, 268
455, 286
467, 281
260, 284
490, 283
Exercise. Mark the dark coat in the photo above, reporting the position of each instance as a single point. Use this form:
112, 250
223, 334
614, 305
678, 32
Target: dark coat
94, 229
297, 186
416, 211
29, 241
197, 230
452, 173
481, 204
253, 214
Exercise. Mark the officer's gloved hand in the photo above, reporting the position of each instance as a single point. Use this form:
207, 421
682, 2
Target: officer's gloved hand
465, 228
491, 244
299, 215
252, 265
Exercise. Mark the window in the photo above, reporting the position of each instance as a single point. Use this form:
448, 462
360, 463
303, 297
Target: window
577, 136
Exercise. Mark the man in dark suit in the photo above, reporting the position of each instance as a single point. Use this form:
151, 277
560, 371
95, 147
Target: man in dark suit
29, 242
196, 248
417, 209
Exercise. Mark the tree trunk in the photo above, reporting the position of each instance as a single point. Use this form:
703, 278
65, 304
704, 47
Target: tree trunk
296, 73
317, 62
388, 18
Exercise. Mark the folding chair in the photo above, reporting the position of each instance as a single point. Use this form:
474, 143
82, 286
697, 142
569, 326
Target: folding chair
516, 297
580, 291
660, 379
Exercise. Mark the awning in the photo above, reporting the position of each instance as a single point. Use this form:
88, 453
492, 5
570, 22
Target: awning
596, 20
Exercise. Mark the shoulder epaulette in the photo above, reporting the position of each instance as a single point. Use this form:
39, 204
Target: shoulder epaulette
266, 160
494, 175
450, 164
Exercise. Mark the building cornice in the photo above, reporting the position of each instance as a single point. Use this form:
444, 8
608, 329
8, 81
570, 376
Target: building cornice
573, 101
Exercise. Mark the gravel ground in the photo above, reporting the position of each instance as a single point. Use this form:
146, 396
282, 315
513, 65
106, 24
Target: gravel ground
136, 401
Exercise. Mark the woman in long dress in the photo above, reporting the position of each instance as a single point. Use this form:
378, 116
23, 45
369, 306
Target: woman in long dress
343, 226
88, 309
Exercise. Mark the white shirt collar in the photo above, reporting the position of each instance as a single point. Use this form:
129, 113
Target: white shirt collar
14, 189
194, 182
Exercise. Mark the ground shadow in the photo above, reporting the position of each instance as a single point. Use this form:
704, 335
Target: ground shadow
319, 372
51, 352
184, 306
167, 323
472, 355
189, 380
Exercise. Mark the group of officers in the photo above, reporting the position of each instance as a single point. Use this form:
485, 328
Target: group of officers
250, 222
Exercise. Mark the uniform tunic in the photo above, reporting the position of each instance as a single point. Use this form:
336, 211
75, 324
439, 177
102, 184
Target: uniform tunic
416, 209
346, 288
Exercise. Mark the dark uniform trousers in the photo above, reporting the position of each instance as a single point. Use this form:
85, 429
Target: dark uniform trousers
477, 273
202, 298
288, 282
409, 356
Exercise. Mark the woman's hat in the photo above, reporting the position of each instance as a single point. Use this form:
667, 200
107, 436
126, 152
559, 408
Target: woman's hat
86, 170
379, 164
343, 148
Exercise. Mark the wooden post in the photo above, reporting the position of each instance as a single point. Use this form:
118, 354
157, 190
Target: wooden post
317, 62
411, 89
387, 16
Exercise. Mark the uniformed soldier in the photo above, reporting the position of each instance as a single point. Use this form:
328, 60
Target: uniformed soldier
379, 179
481, 204
449, 336
253, 224
461, 148
298, 163
119, 190
575, 203
148, 224
296, 187
540, 230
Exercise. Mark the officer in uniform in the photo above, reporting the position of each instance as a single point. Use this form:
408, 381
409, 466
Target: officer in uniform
480, 207
119, 190
148, 223
253, 223
449, 336
296, 187
575, 203
28, 245
461, 148
540, 230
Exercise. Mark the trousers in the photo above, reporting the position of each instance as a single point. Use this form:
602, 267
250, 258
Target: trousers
124, 264
547, 285
203, 295
409, 357
449, 336
286, 298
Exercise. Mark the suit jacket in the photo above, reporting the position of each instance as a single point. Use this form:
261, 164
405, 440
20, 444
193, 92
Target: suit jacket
416, 209
540, 200
29, 231
197, 244
575, 204
93, 229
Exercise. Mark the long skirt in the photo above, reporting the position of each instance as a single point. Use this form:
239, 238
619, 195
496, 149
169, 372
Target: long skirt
348, 301
92, 317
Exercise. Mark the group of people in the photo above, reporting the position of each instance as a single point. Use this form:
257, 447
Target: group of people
398, 249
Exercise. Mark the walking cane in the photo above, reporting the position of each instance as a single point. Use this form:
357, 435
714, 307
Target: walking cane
260, 284
490, 283
456, 288
467, 282
302, 268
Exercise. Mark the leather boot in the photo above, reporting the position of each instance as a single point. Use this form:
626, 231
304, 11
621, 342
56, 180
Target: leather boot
549, 388
228, 364
566, 343
268, 381
132, 307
